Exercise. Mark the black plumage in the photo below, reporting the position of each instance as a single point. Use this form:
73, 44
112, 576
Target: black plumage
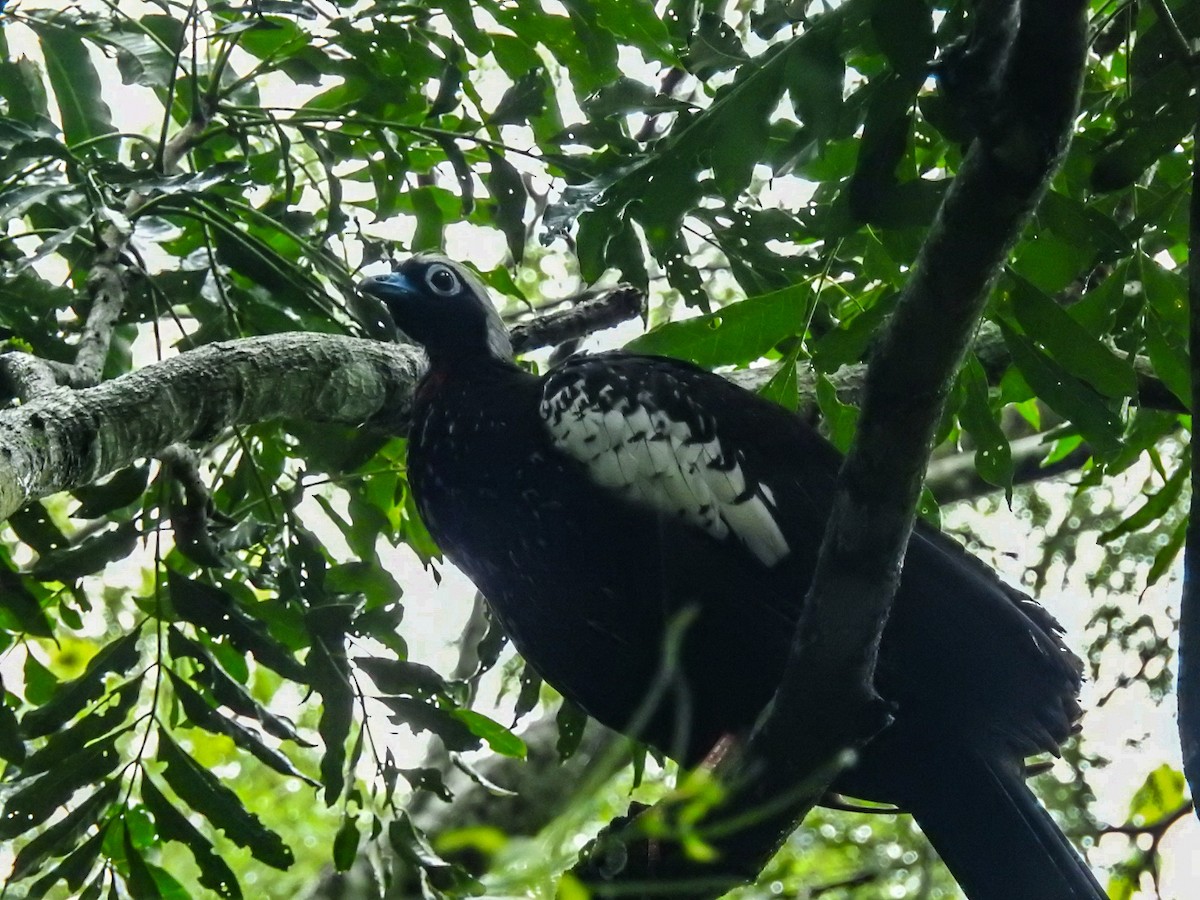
598, 504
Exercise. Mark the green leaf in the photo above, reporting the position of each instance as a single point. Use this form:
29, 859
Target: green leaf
115, 492
117, 657
735, 334
1058, 335
1165, 557
19, 608
62, 746
329, 674
571, 721
73, 870
138, 879
201, 790
1066, 395
76, 85
848, 342
1155, 506
201, 714
499, 738
91, 556
402, 678
419, 716
172, 825
59, 837
345, 844
227, 691
993, 455
638, 25
462, 172
508, 191
36, 802
214, 610
1169, 356
430, 220
1161, 794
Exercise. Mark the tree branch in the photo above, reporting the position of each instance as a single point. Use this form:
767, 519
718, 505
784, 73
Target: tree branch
66, 439
602, 309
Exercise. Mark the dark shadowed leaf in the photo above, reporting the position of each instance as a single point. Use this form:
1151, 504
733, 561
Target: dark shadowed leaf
227, 691
421, 716
115, 492
138, 879
60, 837
73, 870
117, 658
173, 825
198, 711
214, 610
571, 721
37, 801
403, 678
1069, 344
428, 779
1099, 424
62, 746
204, 793
76, 85
1156, 505
524, 100
329, 674
89, 557
19, 608
508, 191
527, 697
345, 844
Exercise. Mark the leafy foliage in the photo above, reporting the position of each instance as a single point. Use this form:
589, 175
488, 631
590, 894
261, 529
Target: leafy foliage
765, 169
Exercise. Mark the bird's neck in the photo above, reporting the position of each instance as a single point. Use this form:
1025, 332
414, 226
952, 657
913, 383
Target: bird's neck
448, 367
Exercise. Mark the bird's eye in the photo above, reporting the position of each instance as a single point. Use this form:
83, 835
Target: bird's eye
442, 280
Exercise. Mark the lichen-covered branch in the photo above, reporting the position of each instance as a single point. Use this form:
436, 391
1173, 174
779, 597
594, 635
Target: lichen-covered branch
69, 438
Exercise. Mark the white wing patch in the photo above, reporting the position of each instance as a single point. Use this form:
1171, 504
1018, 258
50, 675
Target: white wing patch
657, 461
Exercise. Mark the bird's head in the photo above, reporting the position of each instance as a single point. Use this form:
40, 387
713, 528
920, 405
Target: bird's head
444, 307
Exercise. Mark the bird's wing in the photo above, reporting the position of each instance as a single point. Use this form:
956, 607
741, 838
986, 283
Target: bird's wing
641, 429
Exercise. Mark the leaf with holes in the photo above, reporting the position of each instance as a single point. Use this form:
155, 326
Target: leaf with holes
202, 715
227, 691
36, 802
200, 789
172, 825
214, 610
62, 835
116, 658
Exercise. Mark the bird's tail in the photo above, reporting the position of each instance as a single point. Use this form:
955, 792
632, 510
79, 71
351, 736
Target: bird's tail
996, 839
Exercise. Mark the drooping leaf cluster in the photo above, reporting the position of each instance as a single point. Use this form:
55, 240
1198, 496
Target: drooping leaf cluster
770, 169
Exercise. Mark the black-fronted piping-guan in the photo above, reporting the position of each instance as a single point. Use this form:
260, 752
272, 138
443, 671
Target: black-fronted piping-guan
593, 504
